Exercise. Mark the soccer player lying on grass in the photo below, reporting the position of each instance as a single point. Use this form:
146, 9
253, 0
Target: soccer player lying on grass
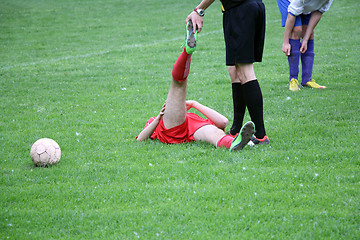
175, 125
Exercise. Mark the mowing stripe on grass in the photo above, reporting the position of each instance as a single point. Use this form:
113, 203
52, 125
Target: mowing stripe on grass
124, 47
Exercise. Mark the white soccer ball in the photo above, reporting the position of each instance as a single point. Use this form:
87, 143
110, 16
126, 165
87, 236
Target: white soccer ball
45, 151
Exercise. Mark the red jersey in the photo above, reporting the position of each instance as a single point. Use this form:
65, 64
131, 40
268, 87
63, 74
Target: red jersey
179, 134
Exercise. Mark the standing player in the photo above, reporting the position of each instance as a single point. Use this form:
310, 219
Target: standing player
175, 125
300, 18
244, 32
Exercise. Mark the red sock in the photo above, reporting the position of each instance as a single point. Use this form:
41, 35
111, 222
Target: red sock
182, 67
225, 141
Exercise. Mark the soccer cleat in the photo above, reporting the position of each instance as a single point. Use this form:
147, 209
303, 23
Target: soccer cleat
313, 84
294, 85
240, 141
233, 135
191, 37
255, 141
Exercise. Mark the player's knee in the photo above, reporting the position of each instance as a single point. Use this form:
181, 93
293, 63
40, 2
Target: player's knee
297, 32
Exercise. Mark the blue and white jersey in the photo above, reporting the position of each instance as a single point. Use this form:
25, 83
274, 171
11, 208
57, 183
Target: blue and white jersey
298, 7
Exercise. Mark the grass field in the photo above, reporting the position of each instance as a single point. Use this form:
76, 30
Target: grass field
88, 74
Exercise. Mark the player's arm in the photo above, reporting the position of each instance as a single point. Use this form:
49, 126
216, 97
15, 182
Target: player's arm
314, 20
218, 119
196, 19
289, 25
149, 130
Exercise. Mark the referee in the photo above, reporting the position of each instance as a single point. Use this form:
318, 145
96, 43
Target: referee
244, 33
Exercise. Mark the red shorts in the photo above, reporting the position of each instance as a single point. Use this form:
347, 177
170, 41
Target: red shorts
179, 134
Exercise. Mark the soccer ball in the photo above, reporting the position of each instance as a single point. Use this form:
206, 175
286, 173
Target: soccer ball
44, 152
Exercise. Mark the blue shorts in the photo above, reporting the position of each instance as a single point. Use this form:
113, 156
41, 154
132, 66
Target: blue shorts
300, 20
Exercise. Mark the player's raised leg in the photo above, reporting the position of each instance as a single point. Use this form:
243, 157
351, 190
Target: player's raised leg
175, 112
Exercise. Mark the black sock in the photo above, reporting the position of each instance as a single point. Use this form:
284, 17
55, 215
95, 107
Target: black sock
254, 102
239, 108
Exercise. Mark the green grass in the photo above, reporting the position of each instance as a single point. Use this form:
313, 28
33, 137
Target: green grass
88, 74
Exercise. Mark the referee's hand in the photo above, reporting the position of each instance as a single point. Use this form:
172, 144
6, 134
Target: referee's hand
196, 20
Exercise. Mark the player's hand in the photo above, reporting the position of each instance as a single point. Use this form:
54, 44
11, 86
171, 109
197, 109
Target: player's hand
162, 111
286, 48
303, 47
190, 104
196, 20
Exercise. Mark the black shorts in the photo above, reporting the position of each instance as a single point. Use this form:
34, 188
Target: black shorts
244, 32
